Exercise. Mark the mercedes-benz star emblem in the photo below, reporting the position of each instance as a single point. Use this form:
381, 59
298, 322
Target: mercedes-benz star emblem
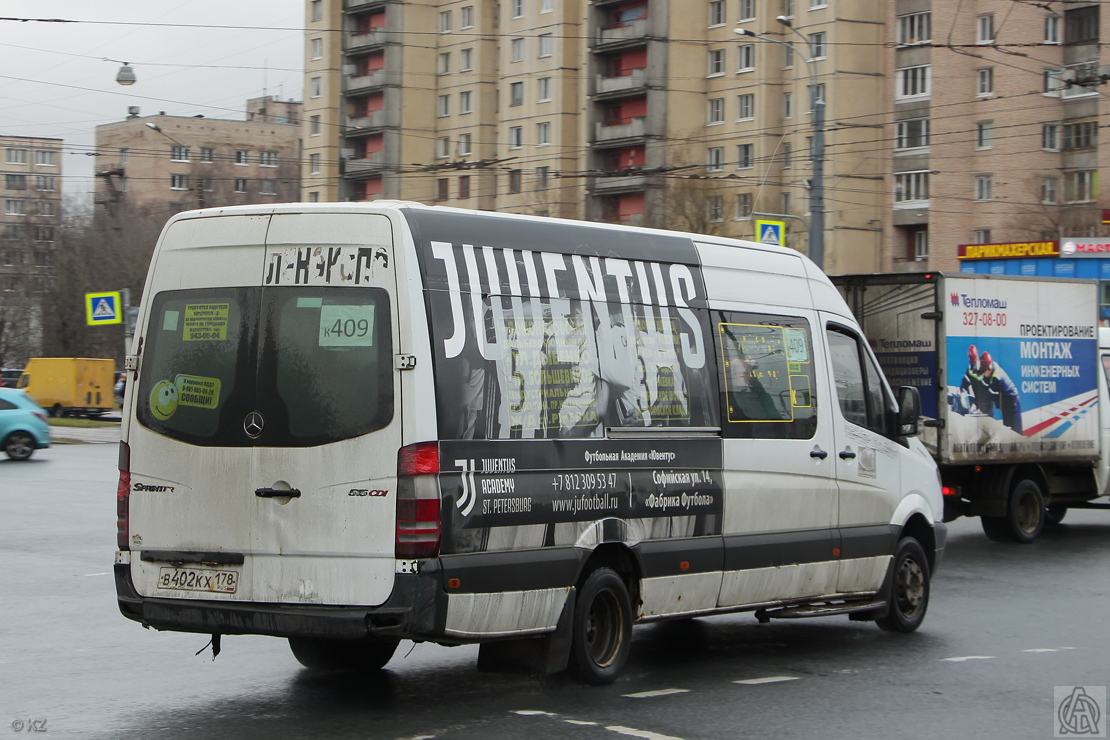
253, 424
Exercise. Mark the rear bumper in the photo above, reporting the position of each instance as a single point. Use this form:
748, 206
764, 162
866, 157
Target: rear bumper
410, 612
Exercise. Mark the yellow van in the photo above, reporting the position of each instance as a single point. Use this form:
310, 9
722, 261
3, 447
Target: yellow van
70, 386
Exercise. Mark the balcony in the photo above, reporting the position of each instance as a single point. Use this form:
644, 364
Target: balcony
633, 181
362, 84
361, 125
372, 163
637, 30
613, 86
367, 41
636, 128
357, 6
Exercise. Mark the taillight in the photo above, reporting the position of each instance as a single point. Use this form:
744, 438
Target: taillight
418, 501
950, 490
41, 416
123, 497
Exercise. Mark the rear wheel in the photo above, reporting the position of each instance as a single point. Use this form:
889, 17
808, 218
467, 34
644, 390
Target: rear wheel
19, 445
326, 654
1025, 515
1055, 513
602, 628
908, 597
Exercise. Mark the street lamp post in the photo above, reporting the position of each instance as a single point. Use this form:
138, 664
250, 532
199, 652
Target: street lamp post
816, 234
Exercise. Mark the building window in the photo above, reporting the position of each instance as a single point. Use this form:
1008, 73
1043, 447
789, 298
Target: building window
1050, 137
45, 208
206, 153
788, 8
317, 48
445, 21
313, 127
983, 187
179, 182
242, 156
715, 208
45, 182
745, 107
466, 60
744, 205
464, 186
443, 108
1081, 25
911, 187
1052, 82
921, 244
717, 13
981, 236
984, 29
915, 28
544, 89
314, 87
17, 156
443, 188
240, 184
1080, 186
785, 202
543, 133
746, 62
443, 63
1080, 135
515, 181
16, 182
1050, 190
466, 16
747, 10
816, 95
314, 196
465, 102
745, 158
464, 145
715, 159
787, 156
179, 154
547, 45
516, 49
984, 82
912, 133
518, 8
46, 158
443, 146
314, 164
268, 158
817, 46
516, 137
984, 134
543, 178
716, 62
268, 187
788, 105
914, 82
1052, 29
787, 57
317, 10
516, 93
1081, 79
716, 110
547, 6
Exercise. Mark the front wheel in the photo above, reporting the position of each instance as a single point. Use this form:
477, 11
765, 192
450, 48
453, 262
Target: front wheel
1025, 515
908, 596
324, 654
602, 628
19, 445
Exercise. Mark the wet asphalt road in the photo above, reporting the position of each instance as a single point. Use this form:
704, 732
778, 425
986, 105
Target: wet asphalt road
1018, 621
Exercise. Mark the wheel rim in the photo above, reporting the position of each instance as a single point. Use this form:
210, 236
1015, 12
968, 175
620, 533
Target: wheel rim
1029, 512
20, 445
911, 587
604, 629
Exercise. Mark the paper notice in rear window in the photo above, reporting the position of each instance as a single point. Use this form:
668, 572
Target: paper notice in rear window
347, 326
205, 322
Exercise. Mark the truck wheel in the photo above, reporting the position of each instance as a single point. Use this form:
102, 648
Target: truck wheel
1025, 515
57, 411
1055, 514
19, 445
324, 654
602, 633
908, 597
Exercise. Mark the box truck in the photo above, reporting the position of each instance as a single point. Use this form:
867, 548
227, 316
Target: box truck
1012, 390
70, 386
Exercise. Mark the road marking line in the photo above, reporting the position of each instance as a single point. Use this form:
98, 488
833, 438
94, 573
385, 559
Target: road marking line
652, 694
645, 734
1069, 648
533, 713
1041, 650
86, 575
964, 658
766, 679
580, 722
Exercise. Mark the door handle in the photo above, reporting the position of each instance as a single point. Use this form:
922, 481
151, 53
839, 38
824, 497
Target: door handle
818, 453
847, 455
277, 492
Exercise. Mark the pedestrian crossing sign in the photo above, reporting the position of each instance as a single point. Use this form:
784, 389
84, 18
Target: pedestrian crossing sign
103, 308
771, 232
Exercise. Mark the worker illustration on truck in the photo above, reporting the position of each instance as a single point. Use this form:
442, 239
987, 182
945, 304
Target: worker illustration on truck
990, 387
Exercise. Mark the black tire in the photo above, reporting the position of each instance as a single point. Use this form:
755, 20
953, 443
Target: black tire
56, 411
1054, 514
19, 445
1025, 515
602, 632
324, 654
908, 595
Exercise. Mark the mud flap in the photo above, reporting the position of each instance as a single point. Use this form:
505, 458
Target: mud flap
537, 656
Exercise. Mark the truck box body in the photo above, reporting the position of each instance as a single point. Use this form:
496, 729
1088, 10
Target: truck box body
1040, 335
64, 385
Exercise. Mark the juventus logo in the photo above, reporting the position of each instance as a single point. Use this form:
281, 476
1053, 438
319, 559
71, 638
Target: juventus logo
469, 494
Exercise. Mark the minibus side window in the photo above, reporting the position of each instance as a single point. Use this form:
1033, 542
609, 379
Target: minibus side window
859, 388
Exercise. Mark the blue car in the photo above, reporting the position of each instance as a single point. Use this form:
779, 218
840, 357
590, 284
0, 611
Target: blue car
23, 427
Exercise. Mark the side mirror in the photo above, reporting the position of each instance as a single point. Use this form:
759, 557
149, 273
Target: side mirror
909, 411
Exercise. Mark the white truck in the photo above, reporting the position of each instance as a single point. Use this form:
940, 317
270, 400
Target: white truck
1013, 398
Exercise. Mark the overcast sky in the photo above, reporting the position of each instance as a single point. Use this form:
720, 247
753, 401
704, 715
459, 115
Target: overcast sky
190, 56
